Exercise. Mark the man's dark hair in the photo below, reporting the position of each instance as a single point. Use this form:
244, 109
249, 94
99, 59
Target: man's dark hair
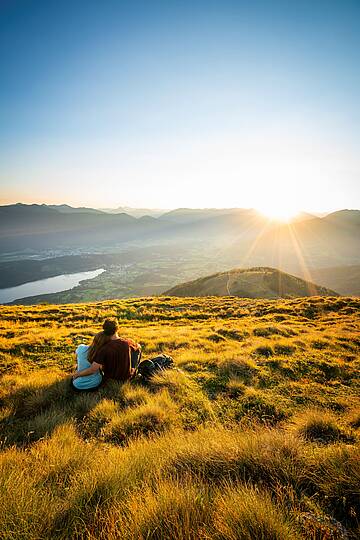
110, 326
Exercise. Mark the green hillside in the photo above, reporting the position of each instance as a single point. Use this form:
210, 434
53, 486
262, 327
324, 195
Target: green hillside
253, 435
259, 282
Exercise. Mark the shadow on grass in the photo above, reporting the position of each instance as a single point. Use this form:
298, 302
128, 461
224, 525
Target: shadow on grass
34, 410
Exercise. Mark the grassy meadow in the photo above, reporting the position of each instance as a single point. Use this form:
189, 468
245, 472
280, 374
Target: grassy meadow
255, 434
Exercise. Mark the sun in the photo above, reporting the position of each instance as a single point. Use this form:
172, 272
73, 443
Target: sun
279, 212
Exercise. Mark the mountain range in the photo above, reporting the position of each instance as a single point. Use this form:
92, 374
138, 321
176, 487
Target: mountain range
135, 212
322, 249
332, 240
44, 227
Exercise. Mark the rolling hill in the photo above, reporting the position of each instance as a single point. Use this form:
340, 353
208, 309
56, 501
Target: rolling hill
258, 282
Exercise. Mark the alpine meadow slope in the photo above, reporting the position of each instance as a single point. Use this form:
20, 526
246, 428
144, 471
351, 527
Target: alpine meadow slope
258, 282
253, 434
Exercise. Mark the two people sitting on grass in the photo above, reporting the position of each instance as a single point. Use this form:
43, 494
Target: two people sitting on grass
108, 357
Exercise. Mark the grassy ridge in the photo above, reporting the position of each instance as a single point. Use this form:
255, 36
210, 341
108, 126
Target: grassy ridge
255, 434
257, 282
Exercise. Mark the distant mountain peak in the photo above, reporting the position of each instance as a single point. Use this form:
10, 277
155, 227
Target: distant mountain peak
67, 209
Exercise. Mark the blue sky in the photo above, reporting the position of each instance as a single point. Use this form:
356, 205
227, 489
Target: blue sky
167, 104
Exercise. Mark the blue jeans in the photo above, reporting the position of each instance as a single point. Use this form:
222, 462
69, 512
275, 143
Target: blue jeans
84, 389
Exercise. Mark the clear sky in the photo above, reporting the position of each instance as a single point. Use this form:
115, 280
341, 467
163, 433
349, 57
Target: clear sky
181, 103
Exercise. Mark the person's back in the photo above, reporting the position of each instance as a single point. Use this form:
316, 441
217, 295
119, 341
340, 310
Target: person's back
115, 359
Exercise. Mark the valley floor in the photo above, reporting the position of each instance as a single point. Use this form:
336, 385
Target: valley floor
255, 434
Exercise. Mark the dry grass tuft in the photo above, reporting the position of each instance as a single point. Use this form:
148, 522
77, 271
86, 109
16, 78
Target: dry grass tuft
244, 513
321, 426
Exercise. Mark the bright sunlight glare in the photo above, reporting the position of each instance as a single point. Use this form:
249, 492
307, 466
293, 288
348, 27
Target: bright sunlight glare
279, 211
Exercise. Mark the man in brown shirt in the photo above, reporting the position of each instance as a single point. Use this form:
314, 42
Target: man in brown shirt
118, 358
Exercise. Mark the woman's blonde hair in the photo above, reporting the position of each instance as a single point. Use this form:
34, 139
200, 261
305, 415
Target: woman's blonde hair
99, 341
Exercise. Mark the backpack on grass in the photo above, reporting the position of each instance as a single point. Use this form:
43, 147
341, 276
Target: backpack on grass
148, 368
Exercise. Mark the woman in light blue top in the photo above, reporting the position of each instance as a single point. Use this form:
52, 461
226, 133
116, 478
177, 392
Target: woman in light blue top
85, 355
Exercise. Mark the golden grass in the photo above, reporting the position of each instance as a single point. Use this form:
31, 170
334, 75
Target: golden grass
246, 513
235, 442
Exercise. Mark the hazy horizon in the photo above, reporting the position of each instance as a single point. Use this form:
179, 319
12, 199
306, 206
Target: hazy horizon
116, 206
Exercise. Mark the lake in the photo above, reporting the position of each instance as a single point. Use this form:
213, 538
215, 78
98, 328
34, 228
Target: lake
46, 286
